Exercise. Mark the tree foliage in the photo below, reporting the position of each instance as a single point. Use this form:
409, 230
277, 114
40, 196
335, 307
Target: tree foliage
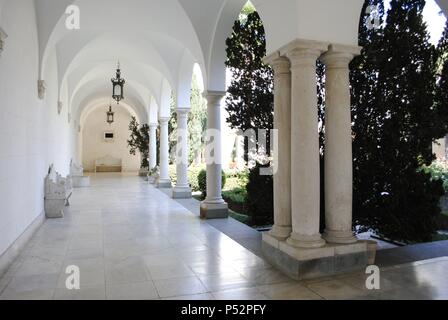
396, 119
399, 107
139, 141
260, 197
197, 123
250, 101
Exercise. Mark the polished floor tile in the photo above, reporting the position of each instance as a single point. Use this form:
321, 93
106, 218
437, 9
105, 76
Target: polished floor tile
195, 297
131, 241
84, 293
335, 290
10, 294
226, 281
132, 291
240, 294
288, 291
170, 272
179, 287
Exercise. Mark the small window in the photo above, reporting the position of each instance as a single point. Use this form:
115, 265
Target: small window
109, 136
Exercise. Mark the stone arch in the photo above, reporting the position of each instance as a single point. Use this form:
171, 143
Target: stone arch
52, 23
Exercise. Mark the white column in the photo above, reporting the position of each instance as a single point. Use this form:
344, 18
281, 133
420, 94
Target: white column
182, 189
152, 146
164, 180
214, 205
305, 173
282, 123
338, 145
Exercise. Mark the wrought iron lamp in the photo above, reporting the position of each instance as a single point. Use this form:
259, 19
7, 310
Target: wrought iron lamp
118, 86
110, 116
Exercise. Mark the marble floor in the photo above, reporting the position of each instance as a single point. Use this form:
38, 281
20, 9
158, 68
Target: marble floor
131, 241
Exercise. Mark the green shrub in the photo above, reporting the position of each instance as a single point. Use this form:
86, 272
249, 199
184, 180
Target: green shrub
236, 180
260, 197
438, 172
237, 195
172, 171
193, 173
202, 181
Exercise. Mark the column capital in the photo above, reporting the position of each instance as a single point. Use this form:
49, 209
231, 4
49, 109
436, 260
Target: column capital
164, 120
153, 125
280, 64
339, 56
304, 52
214, 97
183, 112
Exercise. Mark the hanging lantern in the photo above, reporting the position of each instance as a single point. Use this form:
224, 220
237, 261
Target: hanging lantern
110, 116
118, 86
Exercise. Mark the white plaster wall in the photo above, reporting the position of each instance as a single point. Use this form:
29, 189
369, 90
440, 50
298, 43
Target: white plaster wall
32, 134
58, 144
94, 146
439, 148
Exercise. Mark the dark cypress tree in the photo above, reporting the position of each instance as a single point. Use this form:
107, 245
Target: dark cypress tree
395, 123
441, 95
250, 101
367, 118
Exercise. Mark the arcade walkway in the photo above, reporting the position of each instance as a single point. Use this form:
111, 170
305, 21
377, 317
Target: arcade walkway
131, 241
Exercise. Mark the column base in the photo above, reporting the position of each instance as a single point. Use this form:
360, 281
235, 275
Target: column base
305, 242
181, 193
280, 232
301, 263
214, 210
164, 184
339, 237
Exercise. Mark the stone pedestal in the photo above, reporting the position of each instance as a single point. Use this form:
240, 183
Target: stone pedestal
81, 181
151, 179
54, 208
214, 210
181, 193
143, 172
301, 263
164, 184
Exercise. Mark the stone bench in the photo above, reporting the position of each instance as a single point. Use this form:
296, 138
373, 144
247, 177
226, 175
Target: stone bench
78, 178
108, 164
58, 191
